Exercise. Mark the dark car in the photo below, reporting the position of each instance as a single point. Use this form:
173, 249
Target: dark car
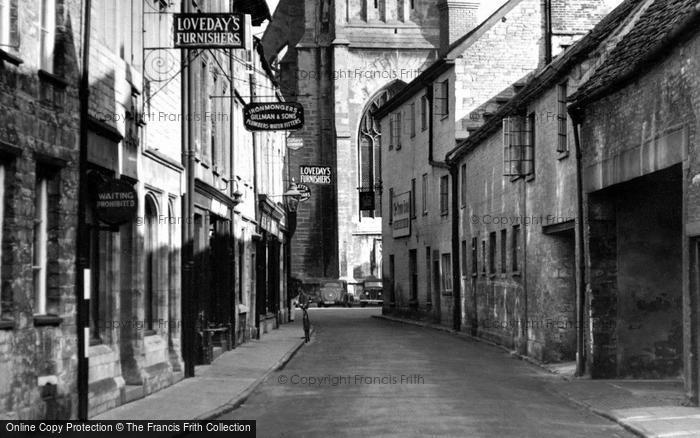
372, 293
333, 293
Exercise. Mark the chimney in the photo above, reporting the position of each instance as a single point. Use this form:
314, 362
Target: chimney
457, 18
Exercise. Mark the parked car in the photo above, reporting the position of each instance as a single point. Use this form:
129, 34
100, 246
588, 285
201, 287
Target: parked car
372, 293
333, 293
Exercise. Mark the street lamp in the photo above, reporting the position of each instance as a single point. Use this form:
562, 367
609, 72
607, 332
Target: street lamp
292, 197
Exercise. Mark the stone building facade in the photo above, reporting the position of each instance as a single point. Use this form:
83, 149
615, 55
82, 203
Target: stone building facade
341, 60
39, 179
639, 134
134, 137
479, 72
518, 207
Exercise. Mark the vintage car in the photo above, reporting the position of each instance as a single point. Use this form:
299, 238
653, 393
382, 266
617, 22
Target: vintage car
333, 293
372, 293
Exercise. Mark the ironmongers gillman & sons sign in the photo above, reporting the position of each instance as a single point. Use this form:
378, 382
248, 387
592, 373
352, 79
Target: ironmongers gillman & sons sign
273, 116
209, 31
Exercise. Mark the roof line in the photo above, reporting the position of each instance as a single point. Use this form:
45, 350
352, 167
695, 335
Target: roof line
636, 69
545, 77
453, 51
463, 43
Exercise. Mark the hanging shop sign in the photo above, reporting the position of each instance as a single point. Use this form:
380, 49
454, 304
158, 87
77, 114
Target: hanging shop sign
295, 143
401, 207
274, 116
321, 175
209, 31
367, 201
116, 202
305, 192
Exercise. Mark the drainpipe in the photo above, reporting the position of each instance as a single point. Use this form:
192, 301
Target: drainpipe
581, 268
252, 83
456, 274
82, 244
189, 305
231, 177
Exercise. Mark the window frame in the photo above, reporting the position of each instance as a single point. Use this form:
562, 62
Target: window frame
40, 243
446, 268
424, 112
504, 249
444, 195
391, 205
413, 198
426, 188
5, 24
515, 249
492, 253
413, 119
562, 120
47, 35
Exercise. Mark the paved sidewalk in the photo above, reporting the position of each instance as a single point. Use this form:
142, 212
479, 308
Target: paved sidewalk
648, 408
220, 387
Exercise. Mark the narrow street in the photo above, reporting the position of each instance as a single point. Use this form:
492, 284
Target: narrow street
452, 387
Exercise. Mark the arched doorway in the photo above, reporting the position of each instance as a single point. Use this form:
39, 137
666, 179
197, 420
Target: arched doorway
151, 263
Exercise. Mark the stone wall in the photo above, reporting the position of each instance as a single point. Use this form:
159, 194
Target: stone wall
647, 127
38, 355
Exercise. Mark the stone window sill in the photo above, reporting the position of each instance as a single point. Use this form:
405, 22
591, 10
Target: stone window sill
10, 57
562, 155
47, 320
7, 325
53, 79
516, 274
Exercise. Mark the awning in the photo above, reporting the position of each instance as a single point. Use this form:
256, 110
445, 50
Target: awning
257, 9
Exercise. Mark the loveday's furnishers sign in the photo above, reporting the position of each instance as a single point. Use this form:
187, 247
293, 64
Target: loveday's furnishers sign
209, 31
322, 175
273, 116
